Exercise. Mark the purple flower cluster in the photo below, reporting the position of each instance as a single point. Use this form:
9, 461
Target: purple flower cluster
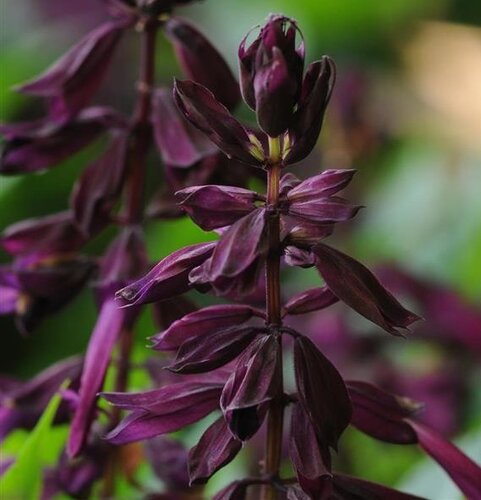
233, 354
226, 358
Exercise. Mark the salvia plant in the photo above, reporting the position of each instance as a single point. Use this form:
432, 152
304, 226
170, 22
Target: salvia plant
236, 358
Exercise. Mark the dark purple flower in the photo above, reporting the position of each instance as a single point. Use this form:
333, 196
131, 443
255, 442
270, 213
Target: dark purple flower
216, 448
463, 471
71, 82
307, 121
38, 145
168, 278
43, 236
125, 258
321, 392
212, 207
164, 410
179, 143
22, 403
355, 285
271, 73
255, 381
310, 300
201, 62
202, 109
199, 323
380, 414
231, 260
97, 189
310, 459
213, 350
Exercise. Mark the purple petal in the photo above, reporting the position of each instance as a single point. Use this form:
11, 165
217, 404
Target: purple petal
230, 259
310, 461
141, 424
294, 256
380, 414
72, 81
167, 399
315, 94
313, 299
275, 93
201, 108
333, 209
47, 145
55, 233
255, 381
463, 471
234, 491
215, 449
321, 391
353, 487
323, 185
97, 189
201, 62
170, 277
355, 285
212, 207
97, 358
199, 323
8, 299
179, 143
304, 233
213, 350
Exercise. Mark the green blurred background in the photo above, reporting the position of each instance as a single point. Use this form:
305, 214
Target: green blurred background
416, 141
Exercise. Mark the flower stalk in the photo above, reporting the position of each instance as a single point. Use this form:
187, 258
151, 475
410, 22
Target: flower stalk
275, 419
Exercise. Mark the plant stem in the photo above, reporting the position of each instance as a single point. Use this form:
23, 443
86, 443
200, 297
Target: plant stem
141, 131
273, 310
136, 157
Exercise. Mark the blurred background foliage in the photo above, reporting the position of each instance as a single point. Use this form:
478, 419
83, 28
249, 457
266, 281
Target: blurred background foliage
406, 113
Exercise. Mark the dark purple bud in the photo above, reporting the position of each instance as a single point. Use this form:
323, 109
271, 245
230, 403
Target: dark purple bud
310, 460
230, 259
271, 74
161, 411
43, 236
213, 350
216, 448
168, 278
323, 185
202, 109
99, 186
463, 471
380, 414
322, 392
199, 323
201, 62
179, 143
287, 183
356, 286
71, 82
169, 459
323, 210
307, 121
110, 323
22, 403
255, 381
212, 207
313, 299
353, 487
39, 145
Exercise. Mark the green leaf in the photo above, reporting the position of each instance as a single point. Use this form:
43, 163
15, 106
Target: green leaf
24, 478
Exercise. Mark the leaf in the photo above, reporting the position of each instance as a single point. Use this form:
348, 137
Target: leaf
31, 457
